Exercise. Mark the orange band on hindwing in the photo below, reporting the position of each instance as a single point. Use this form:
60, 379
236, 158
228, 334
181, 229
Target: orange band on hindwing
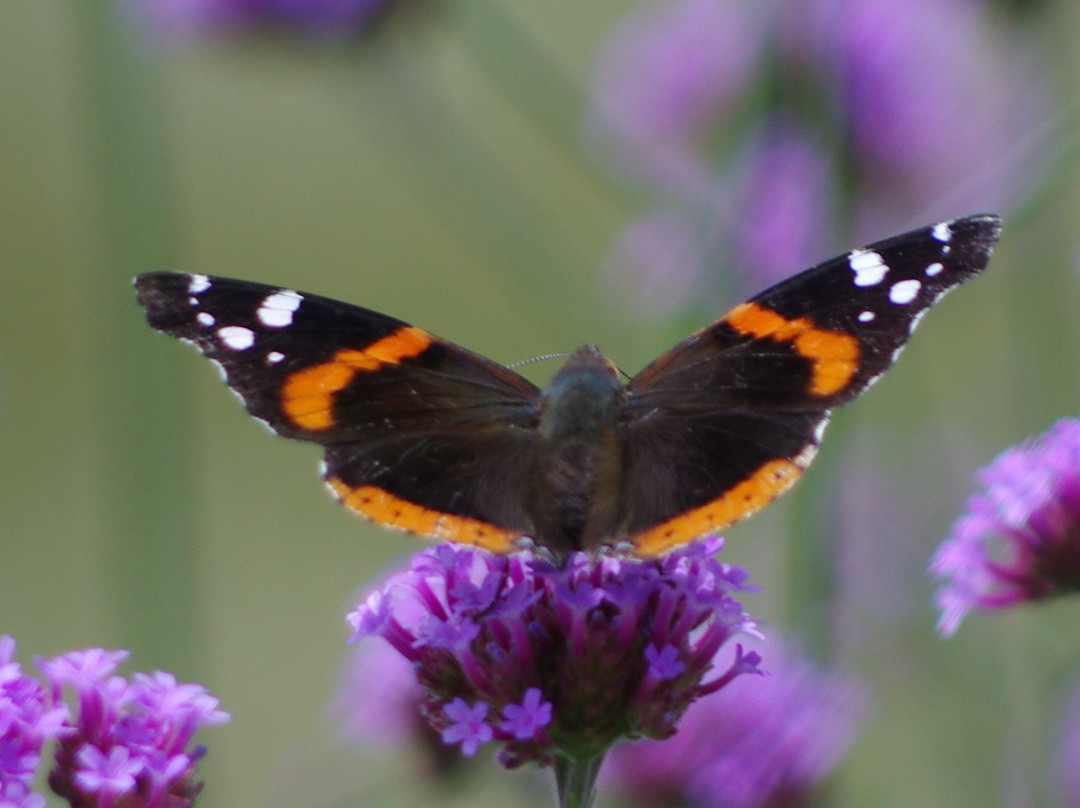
386, 509
834, 356
746, 497
307, 396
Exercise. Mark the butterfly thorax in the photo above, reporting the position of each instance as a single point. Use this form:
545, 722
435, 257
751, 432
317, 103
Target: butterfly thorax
579, 454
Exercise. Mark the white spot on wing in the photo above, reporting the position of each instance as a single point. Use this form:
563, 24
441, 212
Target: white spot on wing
934, 269
868, 267
274, 357
942, 232
236, 337
276, 311
198, 284
904, 291
866, 316
205, 318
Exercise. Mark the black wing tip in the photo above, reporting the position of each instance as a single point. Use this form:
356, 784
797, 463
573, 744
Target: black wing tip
983, 226
973, 238
159, 293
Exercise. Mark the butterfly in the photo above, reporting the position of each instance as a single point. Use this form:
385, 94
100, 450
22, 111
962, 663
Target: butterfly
428, 437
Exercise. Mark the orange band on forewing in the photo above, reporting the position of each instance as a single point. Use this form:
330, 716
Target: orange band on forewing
834, 356
757, 321
404, 343
387, 509
307, 396
748, 496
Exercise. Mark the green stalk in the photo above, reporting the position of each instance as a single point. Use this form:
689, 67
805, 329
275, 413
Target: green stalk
576, 780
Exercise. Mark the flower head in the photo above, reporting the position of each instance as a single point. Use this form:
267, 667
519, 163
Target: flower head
27, 721
765, 740
556, 661
1019, 537
129, 742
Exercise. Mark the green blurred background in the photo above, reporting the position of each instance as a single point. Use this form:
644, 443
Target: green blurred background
435, 172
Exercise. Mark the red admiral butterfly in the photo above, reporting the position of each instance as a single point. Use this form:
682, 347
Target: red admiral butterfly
428, 437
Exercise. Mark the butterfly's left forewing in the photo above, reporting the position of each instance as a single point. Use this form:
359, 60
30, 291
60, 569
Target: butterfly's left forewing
418, 433
746, 399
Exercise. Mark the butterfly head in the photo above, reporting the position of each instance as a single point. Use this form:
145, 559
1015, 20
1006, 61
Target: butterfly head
583, 396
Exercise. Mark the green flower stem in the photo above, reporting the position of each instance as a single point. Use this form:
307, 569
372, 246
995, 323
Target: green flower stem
576, 780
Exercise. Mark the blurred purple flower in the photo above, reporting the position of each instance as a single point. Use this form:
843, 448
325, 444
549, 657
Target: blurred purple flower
1067, 763
556, 661
657, 262
378, 700
785, 203
795, 129
27, 721
932, 110
668, 71
182, 19
762, 741
128, 743
1019, 537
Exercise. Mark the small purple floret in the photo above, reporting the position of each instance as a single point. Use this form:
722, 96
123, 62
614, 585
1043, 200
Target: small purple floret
664, 663
525, 720
466, 725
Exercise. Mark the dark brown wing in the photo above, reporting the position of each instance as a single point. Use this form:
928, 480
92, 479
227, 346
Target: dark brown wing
419, 433
728, 419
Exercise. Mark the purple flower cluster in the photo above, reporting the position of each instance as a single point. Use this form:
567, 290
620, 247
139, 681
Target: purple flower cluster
127, 743
560, 662
1019, 538
759, 742
28, 720
321, 18
766, 124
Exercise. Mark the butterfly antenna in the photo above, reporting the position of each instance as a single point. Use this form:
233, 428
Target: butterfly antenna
544, 358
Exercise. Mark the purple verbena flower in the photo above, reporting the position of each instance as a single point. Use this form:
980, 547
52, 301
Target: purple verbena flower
182, 19
883, 120
763, 741
1019, 536
658, 260
667, 71
28, 719
129, 742
560, 661
785, 198
927, 107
